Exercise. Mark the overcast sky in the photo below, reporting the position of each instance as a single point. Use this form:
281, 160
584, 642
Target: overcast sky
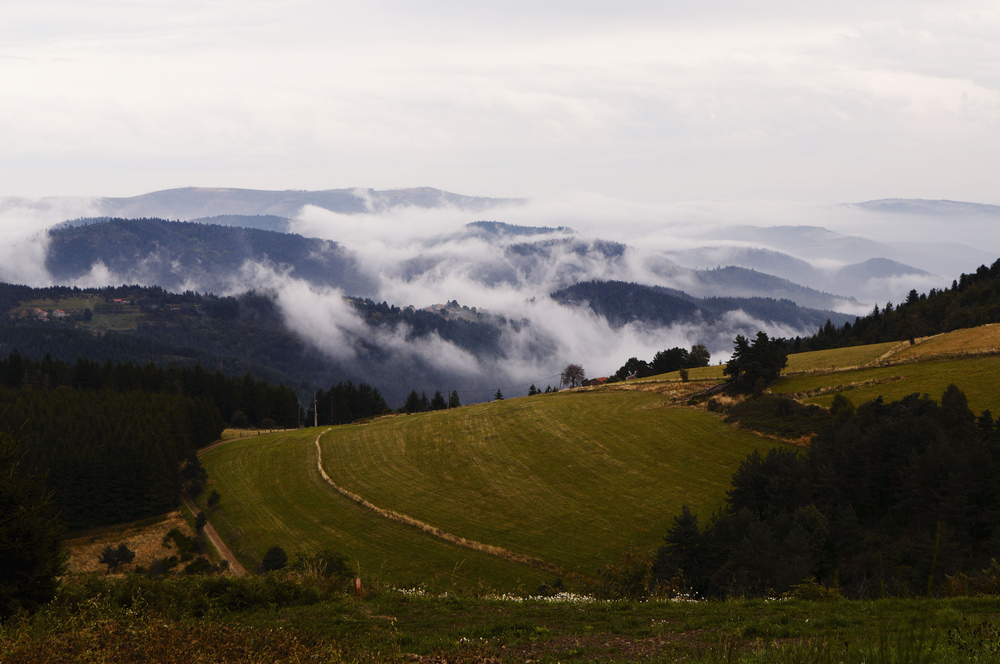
649, 101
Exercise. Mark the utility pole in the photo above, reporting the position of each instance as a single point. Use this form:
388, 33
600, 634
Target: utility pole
315, 410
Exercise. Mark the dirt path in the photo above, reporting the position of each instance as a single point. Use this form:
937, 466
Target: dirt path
224, 551
234, 565
497, 551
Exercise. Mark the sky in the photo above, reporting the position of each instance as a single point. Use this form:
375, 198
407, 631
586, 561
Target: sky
646, 101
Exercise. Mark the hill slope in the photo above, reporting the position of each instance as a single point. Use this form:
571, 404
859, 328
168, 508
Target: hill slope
556, 477
571, 478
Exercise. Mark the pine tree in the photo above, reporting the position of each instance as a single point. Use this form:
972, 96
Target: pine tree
30, 537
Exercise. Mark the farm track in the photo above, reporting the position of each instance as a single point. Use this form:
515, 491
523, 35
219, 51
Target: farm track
428, 529
235, 567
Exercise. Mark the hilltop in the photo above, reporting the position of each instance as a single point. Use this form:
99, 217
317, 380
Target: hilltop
569, 479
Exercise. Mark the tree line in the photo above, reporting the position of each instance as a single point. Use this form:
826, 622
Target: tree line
344, 403
108, 456
256, 400
665, 361
886, 498
972, 300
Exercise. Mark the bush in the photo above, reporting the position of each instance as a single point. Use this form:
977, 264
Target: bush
632, 578
116, 556
325, 563
200, 565
274, 559
779, 416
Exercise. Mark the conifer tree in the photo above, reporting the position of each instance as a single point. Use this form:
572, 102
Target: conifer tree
30, 536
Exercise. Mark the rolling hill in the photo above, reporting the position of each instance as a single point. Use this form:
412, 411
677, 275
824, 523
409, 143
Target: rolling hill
569, 479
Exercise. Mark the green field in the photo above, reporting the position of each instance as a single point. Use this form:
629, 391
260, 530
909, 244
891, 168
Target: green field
978, 377
71, 305
817, 360
837, 358
572, 478
272, 494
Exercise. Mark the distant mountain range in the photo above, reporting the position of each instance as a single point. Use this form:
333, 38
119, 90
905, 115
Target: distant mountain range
533, 297
927, 207
232, 207
213, 258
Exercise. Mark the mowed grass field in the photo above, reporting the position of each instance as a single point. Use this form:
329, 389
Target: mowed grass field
977, 377
273, 494
572, 478
981, 339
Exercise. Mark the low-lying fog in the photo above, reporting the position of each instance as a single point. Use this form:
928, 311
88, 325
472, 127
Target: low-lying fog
426, 256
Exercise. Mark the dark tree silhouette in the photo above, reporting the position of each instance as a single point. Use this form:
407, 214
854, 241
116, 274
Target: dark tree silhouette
275, 558
116, 556
30, 537
573, 375
759, 360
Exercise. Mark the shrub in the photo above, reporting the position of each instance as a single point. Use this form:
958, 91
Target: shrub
116, 556
274, 559
199, 565
324, 563
631, 578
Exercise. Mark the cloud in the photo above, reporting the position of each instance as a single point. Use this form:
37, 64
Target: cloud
653, 101
24, 241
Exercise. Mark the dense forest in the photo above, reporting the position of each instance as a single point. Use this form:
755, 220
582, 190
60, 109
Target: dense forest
973, 299
169, 253
885, 499
344, 403
108, 456
237, 335
256, 400
115, 442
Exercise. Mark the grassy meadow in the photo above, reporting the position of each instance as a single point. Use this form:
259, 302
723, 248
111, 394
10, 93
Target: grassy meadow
978, 377
298, 618
571, 478
273, 494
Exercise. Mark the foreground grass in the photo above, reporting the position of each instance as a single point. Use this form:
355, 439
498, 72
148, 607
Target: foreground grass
301, 618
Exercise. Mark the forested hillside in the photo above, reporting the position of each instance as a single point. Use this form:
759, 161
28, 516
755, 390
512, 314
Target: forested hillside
972, 300
114, 442
623, 303
172, 254
885, 500
245, 334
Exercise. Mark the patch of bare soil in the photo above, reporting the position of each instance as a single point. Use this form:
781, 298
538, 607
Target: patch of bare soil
674, 391
143, 537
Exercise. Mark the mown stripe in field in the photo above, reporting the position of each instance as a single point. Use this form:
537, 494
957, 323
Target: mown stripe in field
497, 551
